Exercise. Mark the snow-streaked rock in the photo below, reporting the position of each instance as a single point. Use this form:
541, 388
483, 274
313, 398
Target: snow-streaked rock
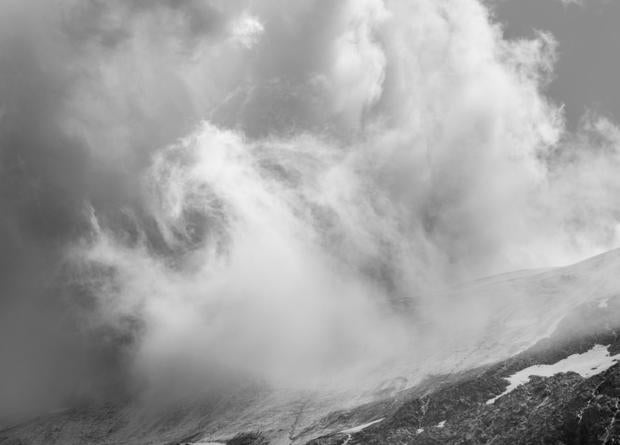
357, 429
590, 363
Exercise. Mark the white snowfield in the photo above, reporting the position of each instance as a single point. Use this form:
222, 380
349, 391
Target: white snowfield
203, 443
357, 429
590, 363
206, 443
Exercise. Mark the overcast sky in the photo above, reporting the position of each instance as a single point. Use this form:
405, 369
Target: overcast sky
588, 67
281, 187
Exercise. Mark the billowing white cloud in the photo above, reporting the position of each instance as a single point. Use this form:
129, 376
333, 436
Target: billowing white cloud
246, 29
278, 187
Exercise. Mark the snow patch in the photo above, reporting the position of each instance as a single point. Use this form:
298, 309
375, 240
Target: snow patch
590, 363
357, 429
205, 443
441, 424
419, 430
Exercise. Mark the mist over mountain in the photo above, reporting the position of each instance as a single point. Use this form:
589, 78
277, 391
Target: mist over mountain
201, 195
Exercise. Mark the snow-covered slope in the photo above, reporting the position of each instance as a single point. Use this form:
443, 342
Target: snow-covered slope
497, 317
587, 364
496, 333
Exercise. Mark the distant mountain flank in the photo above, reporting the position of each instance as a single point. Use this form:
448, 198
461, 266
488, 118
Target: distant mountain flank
564, 388
578, 405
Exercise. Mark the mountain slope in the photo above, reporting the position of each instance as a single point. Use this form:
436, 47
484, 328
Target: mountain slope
561, 408
562, 324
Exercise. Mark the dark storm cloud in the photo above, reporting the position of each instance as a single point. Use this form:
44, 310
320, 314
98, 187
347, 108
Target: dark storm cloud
51, 54
111, 23
49, 171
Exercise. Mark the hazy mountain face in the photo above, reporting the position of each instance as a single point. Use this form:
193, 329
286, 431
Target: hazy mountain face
274, 189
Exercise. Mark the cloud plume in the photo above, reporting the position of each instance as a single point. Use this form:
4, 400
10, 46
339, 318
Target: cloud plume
271, 187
